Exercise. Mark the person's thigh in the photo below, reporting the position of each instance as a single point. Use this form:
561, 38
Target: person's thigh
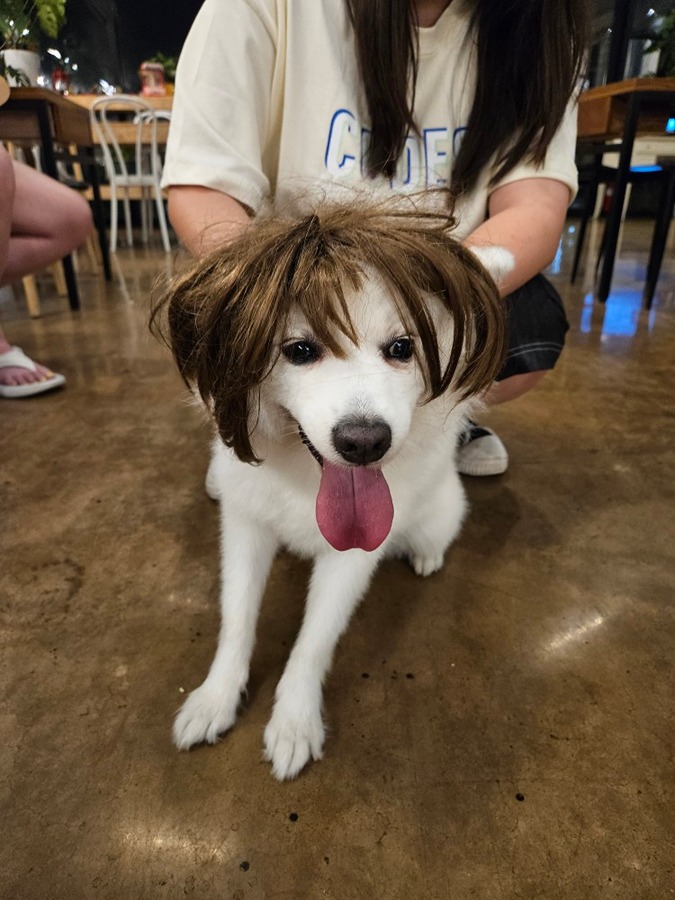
44, 207
536, 328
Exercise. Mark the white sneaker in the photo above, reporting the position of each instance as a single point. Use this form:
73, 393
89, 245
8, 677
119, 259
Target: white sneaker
481, 452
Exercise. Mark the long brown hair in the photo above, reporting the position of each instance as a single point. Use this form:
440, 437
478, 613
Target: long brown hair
529, 57
226, 315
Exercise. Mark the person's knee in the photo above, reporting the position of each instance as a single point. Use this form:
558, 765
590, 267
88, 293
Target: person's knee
49, 210
78, 222
83, 219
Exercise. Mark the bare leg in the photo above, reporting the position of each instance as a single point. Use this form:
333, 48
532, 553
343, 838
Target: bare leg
513, 387
7, 187
48, 221
40, 222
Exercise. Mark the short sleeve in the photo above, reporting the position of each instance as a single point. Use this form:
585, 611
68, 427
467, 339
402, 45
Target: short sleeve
559, 163
221, 108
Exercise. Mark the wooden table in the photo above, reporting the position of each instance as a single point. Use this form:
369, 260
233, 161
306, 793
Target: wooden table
163, 104
622, 110
41, 116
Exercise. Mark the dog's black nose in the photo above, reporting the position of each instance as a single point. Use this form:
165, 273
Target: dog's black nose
361, 441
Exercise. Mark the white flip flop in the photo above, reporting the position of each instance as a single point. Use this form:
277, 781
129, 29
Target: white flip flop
16, 358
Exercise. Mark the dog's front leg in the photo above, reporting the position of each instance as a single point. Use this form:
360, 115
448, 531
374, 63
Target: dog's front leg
295, 731
247, 551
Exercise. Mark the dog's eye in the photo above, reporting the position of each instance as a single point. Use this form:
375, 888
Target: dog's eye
300, 353
401, 349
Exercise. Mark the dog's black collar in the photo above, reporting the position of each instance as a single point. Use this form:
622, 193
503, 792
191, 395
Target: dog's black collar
310, 446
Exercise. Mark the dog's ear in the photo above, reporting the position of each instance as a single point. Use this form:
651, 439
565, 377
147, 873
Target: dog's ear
221, 333
498, 261
175, 322
192, 301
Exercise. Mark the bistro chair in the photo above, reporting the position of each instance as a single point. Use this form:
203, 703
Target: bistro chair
124, 121
661, 173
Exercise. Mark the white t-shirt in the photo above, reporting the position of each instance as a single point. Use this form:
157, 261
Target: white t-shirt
268, 104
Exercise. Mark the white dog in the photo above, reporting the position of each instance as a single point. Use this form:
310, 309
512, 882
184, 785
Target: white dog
317, 345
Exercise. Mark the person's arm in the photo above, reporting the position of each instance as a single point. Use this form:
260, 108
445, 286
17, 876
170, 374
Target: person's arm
220, 122
527, 218
205, 219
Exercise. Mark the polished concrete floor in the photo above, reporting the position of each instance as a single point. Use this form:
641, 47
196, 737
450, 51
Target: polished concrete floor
502, 730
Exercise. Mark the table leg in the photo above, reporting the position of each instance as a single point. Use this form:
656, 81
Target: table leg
587, 212
50, 169
613, 225
660, 236
99, 215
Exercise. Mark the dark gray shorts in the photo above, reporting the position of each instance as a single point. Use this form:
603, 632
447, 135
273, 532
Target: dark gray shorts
536, 326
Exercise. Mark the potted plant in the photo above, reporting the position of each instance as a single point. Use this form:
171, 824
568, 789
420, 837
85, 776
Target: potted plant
169, 63
21, 24
664, 41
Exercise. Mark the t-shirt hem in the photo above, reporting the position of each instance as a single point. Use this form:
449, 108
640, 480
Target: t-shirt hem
252, 199
572, 181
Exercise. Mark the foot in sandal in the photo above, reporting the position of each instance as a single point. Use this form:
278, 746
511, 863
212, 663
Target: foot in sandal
21, 377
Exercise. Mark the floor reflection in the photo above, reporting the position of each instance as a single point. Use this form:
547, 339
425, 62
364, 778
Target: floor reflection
621, 314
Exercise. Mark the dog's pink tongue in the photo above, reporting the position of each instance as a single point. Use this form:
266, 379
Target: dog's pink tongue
353, 507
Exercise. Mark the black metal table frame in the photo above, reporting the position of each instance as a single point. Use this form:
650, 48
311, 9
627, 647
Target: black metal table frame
636, 99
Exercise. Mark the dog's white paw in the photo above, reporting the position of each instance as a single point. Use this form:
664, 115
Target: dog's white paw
291, 739
206, 714
426, 565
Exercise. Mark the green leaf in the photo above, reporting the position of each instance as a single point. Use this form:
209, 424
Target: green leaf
51, 15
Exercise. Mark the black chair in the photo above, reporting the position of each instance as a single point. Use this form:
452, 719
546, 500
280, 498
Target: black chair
662, 173
664, 217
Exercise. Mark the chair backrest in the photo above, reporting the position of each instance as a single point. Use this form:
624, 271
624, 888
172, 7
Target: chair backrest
125, 120
162, 115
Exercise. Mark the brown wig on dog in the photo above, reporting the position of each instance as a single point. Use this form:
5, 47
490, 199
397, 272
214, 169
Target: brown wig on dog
228, 313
